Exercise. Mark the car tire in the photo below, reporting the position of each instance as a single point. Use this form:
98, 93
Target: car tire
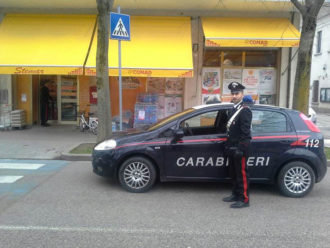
296, 179
137, 174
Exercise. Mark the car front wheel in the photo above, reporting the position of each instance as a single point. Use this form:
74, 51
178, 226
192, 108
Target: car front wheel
137, 174
296, 179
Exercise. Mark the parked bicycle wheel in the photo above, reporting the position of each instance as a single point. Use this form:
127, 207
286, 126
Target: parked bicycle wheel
81, 125
93, 127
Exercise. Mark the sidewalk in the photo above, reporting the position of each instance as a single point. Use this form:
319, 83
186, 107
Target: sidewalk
40, 142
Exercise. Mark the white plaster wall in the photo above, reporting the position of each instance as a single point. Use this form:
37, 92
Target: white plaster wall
321, 61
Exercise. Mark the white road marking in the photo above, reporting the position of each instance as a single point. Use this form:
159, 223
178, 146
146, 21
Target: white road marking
9, 179
105, 230
20, 166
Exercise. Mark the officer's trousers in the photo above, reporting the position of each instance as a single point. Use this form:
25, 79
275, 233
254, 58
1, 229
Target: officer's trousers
238, 171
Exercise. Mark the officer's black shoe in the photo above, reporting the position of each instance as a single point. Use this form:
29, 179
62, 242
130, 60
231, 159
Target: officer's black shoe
231, 198
240, 204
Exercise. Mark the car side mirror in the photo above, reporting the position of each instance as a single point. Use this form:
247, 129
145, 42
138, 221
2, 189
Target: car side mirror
179, 133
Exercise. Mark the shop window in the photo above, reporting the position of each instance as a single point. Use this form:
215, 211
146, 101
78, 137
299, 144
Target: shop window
260, 59
325, 95
315, 91
319, 42
264, 121
232, 58
212, 58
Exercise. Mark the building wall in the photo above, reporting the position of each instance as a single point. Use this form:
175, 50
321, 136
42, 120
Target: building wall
321, 61
24, 96
193, 85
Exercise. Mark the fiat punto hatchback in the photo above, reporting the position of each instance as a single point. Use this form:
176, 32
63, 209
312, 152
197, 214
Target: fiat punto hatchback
286, 149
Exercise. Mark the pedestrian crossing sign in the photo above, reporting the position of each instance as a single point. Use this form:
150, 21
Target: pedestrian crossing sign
120, 26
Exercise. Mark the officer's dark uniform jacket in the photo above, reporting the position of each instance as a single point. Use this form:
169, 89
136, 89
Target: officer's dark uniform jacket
239, 132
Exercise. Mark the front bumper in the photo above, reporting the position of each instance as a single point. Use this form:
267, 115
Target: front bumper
104, 163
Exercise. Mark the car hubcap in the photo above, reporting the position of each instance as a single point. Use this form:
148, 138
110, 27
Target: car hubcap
297, 180
137, 175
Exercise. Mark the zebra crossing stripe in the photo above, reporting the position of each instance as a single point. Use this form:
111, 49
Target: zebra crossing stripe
9, 179
20, 166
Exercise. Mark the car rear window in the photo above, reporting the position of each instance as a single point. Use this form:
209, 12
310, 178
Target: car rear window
266, 121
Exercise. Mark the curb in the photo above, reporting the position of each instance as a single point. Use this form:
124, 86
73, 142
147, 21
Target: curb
75, 157
81, 157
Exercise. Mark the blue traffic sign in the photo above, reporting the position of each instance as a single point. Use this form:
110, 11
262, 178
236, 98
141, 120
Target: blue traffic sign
120, 26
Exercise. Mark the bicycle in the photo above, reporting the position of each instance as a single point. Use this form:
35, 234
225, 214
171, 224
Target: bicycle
91, 124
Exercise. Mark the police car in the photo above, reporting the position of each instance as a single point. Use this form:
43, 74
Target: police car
286, 149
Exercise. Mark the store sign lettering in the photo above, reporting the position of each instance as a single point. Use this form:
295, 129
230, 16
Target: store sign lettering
143, 72
212, 43
77, 71
22, 70
257, 42
90, 72
187, 74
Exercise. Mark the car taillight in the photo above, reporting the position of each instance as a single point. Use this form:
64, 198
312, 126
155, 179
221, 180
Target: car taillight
311, 126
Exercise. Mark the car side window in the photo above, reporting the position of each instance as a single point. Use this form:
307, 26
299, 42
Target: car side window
202, 124
202, 120
267, 121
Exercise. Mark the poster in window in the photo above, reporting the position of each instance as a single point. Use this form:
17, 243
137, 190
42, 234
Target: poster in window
93, 95
210, 98
251, 81
173, 105
211, 80
130, 83
174, 86
266, 99
230, 75
267, 81
156, 85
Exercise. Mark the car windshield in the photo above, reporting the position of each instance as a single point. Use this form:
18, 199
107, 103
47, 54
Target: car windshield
169, 119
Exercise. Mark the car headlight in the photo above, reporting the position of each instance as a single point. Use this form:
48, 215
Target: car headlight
106, 145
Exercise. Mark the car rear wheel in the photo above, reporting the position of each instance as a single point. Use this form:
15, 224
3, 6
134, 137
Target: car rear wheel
137, 174
296, 179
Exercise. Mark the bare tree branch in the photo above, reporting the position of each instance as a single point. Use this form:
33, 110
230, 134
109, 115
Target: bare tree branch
299, 6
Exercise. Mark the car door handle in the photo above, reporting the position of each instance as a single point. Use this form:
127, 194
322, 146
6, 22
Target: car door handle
285, 141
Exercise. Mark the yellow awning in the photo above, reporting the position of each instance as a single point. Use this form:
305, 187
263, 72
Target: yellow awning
249, 32
159, 47
44, 44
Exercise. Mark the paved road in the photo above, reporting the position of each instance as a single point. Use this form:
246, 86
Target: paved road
69, 206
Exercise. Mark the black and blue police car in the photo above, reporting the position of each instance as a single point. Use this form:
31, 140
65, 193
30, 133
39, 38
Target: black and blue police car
286, 149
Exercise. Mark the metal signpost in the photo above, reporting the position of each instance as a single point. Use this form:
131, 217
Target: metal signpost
120, 29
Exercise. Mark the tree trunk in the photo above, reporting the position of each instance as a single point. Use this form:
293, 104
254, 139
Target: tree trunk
309, 11
303, 73
102, 72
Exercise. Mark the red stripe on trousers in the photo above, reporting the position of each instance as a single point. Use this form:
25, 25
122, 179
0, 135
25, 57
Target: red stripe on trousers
246, 198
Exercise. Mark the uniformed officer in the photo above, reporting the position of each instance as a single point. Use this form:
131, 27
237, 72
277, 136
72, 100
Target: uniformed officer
237, 146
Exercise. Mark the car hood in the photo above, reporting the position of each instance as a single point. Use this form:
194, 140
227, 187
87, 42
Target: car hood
130, 136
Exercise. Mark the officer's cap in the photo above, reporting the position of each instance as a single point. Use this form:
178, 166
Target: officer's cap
235, 87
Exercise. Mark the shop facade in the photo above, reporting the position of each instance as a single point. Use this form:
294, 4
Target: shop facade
180, 65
